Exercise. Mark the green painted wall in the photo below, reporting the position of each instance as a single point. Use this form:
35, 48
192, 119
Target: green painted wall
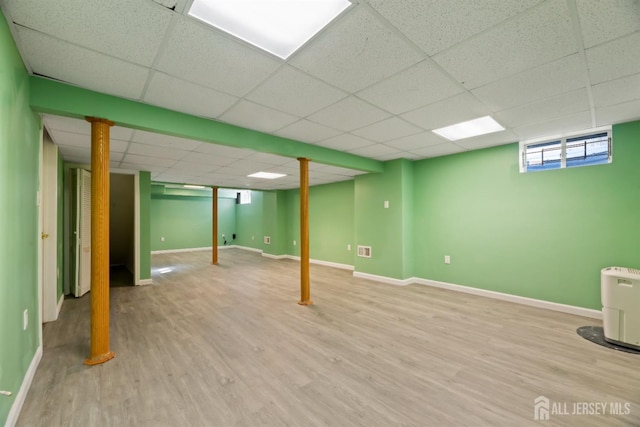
387, 231
144, 184
274, 221
543, 235
249, 222
331, 222
185, 220
19, 171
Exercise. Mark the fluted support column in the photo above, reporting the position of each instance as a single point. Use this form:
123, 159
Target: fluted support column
305, 291
214, 226
100, 352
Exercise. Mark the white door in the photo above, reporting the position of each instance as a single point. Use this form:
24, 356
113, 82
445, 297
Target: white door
83, 233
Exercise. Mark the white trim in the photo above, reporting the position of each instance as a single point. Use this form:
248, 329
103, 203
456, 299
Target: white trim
14, 413
548, 305
383, 279
49, 210
172, 251
322, 262
266, 255
59, 308
144, 282
247, 248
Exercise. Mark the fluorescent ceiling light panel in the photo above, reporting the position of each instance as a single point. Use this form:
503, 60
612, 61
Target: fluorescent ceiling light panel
197, 187
474, 127
277, 26
266, 175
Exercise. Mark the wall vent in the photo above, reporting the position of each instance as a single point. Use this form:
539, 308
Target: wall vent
267, 240
364, 251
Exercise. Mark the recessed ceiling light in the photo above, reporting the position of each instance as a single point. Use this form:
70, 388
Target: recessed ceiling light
266, 175
470, 128
277, 26
197, 187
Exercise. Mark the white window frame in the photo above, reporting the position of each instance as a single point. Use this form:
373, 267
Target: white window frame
563, 144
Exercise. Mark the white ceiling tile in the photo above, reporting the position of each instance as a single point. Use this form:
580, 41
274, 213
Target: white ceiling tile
209, 159
187, 166
533, 84
116, 157
76, 152
388, 129
376, 150
135, 159
437, 25
147, 167
154, 151
616, 91
562, 125
618, 113
295, 92
267, 158
121, 133
614, 59
601, 21
244, 167
488, 140
202, 55
392, 156
161, 140
438, 150
355, 52
414, 142
345, 142
79, 66
419, 85
306, 131
349, 114
131, 30
70, 139
540, 35
456, 109
179, 95
221, 150
116, 145
257, 117
175, 5
67, 124
557, 106
336, 170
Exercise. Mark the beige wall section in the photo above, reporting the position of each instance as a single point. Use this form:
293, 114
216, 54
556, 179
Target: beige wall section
49, 207
121, 221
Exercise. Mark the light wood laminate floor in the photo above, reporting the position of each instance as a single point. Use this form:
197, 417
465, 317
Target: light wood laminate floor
227, 345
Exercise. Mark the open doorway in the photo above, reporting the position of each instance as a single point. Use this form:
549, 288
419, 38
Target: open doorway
122, 230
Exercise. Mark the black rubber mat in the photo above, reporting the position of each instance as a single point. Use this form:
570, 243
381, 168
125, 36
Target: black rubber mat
596, 334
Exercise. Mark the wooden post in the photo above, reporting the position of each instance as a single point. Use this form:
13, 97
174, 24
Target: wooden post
305, 292
100, 352
214, 226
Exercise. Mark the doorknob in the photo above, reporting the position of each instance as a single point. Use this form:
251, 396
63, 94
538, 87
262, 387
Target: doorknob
44, 235
5, 393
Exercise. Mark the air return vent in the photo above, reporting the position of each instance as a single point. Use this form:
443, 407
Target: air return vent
364, 251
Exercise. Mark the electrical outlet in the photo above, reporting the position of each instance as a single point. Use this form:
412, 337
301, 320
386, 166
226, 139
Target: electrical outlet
447, 259
348, 247
162, 239
386, 204
294, 243
25, 319
253, 237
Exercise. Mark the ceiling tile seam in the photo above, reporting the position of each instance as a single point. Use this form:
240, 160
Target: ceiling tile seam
14, 33
86, 48
541, 100
555, 117
577, 34
160, 53
493, 27
324, 29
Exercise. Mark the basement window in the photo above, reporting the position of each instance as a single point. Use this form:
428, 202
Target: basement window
592, 148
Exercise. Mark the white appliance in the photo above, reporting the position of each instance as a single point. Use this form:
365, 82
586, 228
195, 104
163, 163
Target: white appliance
620, 294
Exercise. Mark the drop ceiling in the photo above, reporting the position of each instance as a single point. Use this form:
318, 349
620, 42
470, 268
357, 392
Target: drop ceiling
374, 83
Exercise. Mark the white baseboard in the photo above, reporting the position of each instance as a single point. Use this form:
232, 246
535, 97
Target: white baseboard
60, 302
247, 248
144, 282
14, 413
564, 308
322, 262
172, 251
266, 255
383, 279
